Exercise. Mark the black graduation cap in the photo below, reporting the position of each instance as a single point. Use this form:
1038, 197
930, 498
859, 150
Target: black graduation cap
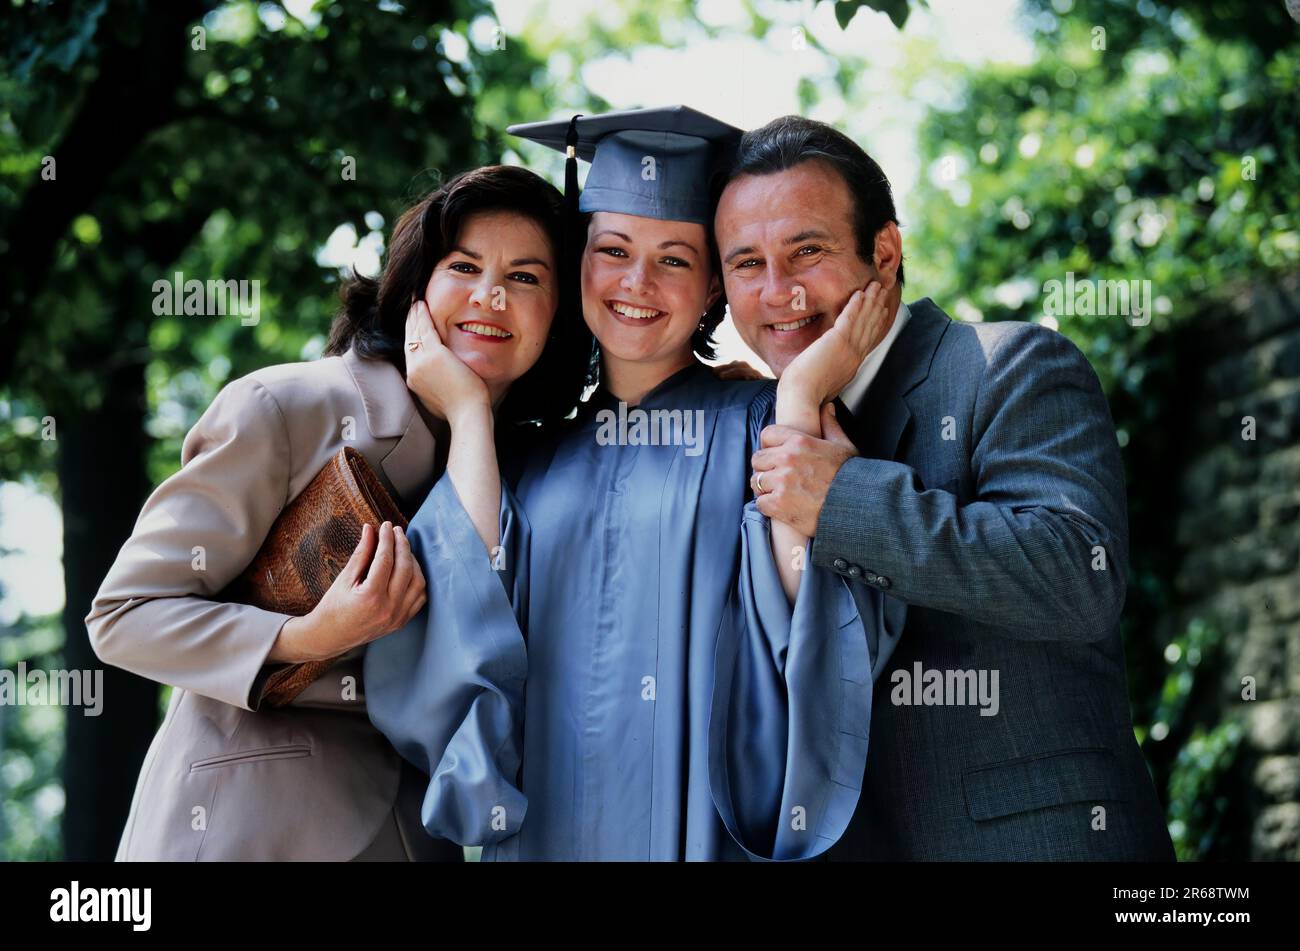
654, 163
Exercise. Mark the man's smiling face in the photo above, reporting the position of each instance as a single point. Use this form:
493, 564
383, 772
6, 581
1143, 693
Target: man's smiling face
790, 257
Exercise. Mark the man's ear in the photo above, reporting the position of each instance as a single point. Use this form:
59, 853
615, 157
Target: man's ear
888, 254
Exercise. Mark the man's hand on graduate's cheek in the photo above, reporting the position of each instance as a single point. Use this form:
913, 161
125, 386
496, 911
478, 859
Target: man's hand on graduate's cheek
794, 471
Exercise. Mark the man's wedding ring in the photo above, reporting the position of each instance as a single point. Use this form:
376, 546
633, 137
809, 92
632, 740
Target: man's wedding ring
758, 481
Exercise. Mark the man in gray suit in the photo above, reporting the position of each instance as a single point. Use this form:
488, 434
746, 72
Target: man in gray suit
982, 486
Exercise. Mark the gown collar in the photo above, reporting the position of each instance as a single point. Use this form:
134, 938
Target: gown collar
602, 398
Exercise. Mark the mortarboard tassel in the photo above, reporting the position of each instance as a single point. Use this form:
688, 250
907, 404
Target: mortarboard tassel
574, 241
572, 247
571, 167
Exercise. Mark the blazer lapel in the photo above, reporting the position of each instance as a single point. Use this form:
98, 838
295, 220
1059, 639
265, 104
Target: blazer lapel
883, 417
409, 465
391, 414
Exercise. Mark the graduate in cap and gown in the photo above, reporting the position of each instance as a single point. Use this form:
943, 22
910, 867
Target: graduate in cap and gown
613, 663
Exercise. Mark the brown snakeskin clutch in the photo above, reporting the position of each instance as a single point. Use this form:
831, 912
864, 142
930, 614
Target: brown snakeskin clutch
306, 548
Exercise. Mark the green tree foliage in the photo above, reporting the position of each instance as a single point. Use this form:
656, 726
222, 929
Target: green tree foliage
1167, 155
896, 10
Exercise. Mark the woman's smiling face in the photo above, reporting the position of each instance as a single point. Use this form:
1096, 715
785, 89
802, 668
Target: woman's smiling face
493, 295
645, 285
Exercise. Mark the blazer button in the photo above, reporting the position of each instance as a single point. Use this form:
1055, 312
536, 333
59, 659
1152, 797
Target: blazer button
840, 564
855, 571
884, 582
872, 577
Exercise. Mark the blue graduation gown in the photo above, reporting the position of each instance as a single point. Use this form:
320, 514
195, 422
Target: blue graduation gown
624, 678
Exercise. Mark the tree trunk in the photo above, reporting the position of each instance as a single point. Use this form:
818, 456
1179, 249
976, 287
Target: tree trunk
103, 480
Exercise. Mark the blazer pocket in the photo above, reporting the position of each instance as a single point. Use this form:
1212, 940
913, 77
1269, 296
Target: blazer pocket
1048, 779
289, 751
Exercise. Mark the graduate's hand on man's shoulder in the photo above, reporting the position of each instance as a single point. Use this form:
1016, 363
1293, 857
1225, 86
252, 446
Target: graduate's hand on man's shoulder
738, 370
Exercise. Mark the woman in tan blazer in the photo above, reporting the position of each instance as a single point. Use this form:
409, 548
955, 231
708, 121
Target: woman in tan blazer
227, 778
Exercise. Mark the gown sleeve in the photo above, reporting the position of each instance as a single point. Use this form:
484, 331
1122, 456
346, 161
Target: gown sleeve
447, 689
791, 710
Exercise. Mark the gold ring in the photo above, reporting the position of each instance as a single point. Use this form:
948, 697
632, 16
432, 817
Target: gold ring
758, 480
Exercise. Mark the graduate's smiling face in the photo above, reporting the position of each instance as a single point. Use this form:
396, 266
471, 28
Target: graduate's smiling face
790, 257
493, 295
645, 285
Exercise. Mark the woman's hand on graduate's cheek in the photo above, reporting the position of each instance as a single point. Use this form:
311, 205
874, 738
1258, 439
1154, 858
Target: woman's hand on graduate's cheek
378, 591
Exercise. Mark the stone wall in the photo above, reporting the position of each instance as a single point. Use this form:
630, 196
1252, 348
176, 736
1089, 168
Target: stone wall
1238, 534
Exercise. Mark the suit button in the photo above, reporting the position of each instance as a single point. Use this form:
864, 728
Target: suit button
872, 577
840, 564
884, 582
855, 571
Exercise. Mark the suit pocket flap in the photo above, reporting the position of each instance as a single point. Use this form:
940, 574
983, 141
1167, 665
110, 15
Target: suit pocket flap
1035, 782
289, 751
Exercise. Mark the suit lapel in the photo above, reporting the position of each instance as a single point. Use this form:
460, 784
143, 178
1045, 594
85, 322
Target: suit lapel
884, 414
390, 411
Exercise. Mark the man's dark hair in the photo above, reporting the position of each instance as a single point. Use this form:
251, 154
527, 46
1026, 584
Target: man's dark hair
792, 140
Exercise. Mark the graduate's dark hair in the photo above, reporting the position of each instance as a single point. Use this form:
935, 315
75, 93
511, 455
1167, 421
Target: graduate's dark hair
372, 320
792, 140
702, 342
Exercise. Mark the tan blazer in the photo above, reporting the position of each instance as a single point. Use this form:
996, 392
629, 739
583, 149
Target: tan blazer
312, 781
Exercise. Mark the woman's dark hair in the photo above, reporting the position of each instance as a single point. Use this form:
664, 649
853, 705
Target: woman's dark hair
792, 140
372, 321
702, 342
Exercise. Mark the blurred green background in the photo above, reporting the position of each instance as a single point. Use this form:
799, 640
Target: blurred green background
213, 139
